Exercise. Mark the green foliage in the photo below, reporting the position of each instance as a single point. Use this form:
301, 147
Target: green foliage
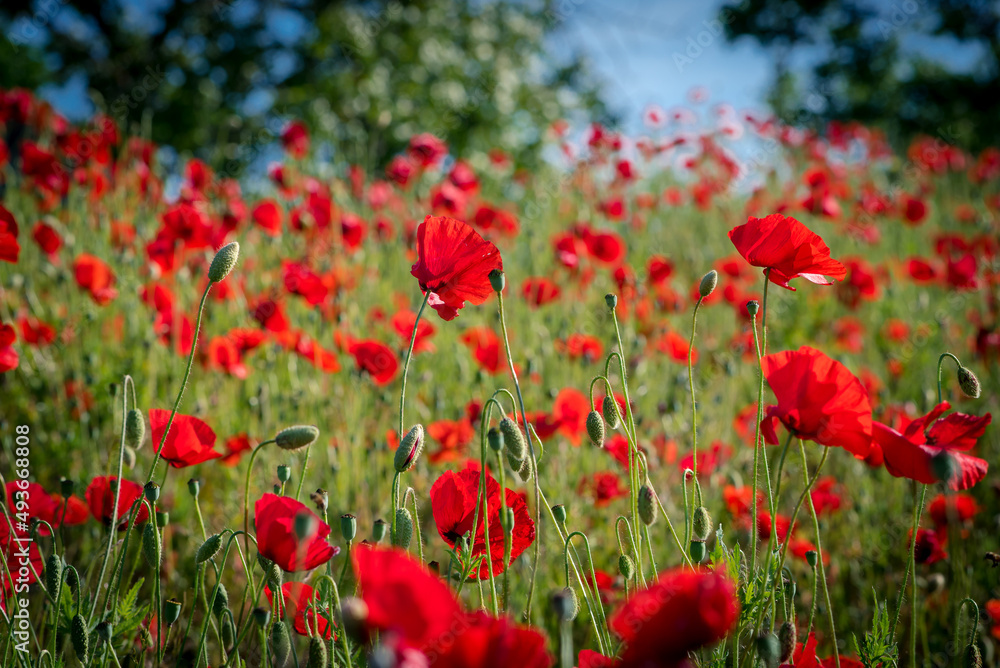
877, 649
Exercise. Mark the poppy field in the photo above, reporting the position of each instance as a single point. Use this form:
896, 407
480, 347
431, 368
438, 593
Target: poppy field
719, 395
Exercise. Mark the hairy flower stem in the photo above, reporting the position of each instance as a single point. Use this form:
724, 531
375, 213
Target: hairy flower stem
761, 347
531, 453
819, 551
406, 366
694, 405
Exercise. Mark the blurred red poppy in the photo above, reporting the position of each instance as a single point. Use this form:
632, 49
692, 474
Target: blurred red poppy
96, 277
485, 347
912, 452
100, 497
818, 400
189, 441
539, 291
787, 248
453, 263
453, 502
490, 642
10, 249
570, 411
296, 597
277, 539
235, 447
268, 216
403, 321
377, 359
295, 139
9, 358
681, 612
47, 238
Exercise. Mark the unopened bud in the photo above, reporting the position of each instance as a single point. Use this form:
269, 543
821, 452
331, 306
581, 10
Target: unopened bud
80, 635
275, 577
378, 530
162, 519
701, 524
787, 639
150, 545
261, 616
317, 653
611, 300
708, 283
281, 644
404, 529
507, 520
221, 600
969, 383
305, 525
566, 604
626, 566
973, 657
609, 407
811, 558
208, 549
769, 649
53, 572
409, 449
497, 280
513, 439
128, 457
104, 631
194, 487
697, 550
224, 261
559, 512
494, 437
348, 526
297, 437
647, 504
595, 428
284, 473
135, 429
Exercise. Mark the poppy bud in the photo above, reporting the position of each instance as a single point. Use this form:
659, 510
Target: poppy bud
53, 572
811, 558
66, 487
221, 600
566, 604
162, 519
261, 616
646, 502
317, 653
194, 487
609, 407
595, 428
969, 383
507, 520
128, 457
321, 499
409, 449
135, 429
284, 473
378, 530
708, 283
769, 649
151, 491
611, 300
224, 261
944, 466
497, 280
495, 439
228, 634
348, 526
208, 549
626, 566
281, 644
305, 525
277, 490
72, 580
171, 611
104, 631
787, 638
145, 637
297, 437
559, 512
275, 577
697, 550
701, 525
752, 307
522, 468
80, 637
150, 546
513, 440
973, 658
404, 529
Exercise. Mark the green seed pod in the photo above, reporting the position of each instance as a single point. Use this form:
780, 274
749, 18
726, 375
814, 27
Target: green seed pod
135, 429
53, 572
404, 529
595, 428
297, 437
494, 437
513, 440
284, 473
753, 306
973, 657
305, 525
769, 649
80, 636
708, 283
968, 382
66, 487
150, 545
378, 530
559, 512
348, 526
221, 601
811, 558
171, 611
317, 653
507, 520
497, 280
151, 491
103, 631
194, 487
787, 639
565, 604
162, 519
409, 449
701, 524
611, 300
224, 261
281, 644
647, 504
609, 407
626, 566
208, 549
697, 550
261, 616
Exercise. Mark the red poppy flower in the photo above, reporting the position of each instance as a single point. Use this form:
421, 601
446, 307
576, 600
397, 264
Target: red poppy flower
679, 613
929, 548
589, 348
453, 502
96, 277
235, 447
15, 544
403, 321
271, 315
787, 248
36, 332
377, 359
32, 502
588, 658
485, 346
570, 410
945, 509
453, 263
295, 139
274, 521
453, 436
490, 642
539, 291
75, 511
911, 454
605, 247
47, 238
296, 598
676, 346
391, 581
606, 486
818, 400
10, 249
267, 215
426, 149
189, 441
9, 358
300, 280
659, 269
100, 497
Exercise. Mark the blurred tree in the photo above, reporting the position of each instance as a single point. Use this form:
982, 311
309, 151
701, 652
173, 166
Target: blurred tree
902, 65
218, 77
